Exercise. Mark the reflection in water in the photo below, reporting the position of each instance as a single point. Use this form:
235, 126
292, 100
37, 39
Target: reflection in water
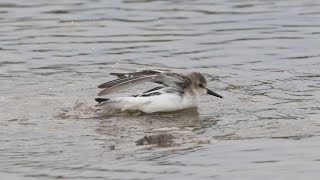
262, 56
183, 125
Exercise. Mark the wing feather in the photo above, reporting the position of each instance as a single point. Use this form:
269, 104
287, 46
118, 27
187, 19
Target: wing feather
116, 82
125, 84
127, 80
146, 72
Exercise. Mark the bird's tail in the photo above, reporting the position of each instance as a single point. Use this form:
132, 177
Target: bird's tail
115, 104
100, 100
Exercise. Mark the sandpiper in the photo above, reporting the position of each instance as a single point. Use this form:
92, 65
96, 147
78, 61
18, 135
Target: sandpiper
177, 91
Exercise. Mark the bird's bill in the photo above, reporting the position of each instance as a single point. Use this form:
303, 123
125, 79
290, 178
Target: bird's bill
210, 92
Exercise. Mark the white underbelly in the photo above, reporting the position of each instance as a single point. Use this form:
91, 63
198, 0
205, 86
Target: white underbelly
160, 103
167, 103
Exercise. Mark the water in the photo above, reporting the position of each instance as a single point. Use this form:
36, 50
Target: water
262, 56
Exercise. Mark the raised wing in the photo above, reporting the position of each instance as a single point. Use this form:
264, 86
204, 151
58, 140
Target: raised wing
138, 73
126, 80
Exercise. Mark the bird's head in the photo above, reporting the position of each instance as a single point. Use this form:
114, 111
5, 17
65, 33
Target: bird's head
199, 84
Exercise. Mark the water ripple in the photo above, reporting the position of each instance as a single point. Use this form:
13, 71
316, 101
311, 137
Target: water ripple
261, 55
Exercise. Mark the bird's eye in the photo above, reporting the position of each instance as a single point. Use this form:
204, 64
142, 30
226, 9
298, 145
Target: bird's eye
201, 85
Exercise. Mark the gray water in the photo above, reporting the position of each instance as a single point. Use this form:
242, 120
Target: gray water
261, 55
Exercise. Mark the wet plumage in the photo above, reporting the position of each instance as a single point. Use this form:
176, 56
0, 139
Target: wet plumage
176, 92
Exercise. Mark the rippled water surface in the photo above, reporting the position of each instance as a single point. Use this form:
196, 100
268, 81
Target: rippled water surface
261, 55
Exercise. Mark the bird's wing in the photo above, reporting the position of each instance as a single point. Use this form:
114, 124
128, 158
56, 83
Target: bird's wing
126, 80
157, 91
138, 73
